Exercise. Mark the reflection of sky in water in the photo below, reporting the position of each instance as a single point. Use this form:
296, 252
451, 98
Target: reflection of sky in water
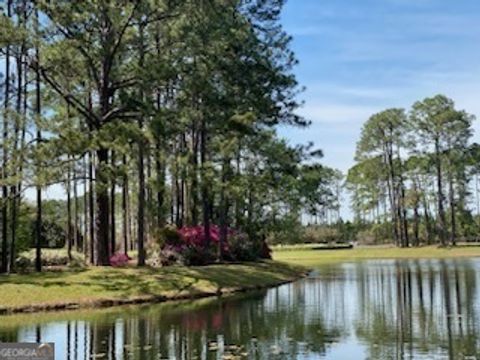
377, 309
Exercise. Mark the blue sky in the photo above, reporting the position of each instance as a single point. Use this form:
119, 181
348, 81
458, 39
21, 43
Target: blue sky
358, 57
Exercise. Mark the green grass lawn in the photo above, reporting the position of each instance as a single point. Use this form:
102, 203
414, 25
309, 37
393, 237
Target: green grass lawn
304, 255
101, 286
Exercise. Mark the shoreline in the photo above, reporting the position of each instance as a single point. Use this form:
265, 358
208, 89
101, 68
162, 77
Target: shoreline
305, 255
199, 283
106, 287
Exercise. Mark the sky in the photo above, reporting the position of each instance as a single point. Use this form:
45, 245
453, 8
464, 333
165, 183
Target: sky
358, 57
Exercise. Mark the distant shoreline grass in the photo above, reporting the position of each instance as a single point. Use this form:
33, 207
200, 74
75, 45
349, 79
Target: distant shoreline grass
306, 256
106, 286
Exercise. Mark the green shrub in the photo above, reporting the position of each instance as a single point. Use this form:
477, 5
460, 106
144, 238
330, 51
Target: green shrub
195, 256
285, 230
168, 235
375, 234
23, 264
293, 236
321, 234
243, 248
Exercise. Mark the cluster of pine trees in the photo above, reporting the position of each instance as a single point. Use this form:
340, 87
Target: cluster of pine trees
414, 171
148, 112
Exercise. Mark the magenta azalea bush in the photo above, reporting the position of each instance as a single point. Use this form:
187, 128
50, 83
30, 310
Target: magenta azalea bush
119, 260
196, 236
192, 247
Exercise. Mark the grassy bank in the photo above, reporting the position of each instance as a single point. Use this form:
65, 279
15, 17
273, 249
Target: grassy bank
306, 256
101, 287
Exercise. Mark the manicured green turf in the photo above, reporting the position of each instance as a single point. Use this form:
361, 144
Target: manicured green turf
88, 287
304, 255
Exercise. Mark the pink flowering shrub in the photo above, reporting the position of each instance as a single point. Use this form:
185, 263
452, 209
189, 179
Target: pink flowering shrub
191, 247
195, 236
119, 260
194, 248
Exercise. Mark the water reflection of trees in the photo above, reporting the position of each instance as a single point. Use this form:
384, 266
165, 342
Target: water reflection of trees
395, 309
285, 322
418, 307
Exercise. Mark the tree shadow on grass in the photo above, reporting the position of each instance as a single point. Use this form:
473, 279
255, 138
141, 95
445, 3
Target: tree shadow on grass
171, 281
136, 284
40, 279
239, 275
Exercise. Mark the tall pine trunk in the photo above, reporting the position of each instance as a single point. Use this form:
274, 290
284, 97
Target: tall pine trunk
69, 211
38, 113
148, 192
4, 204
76, 238
22, 156
440, 196
141, 202
113, 230
391, 195
160, 172
224, 208
16, 156
402, 205
85, 210
103, 206
91, 208
205, 192
194, 178
125, 215
416, 214
141, 166
451, 197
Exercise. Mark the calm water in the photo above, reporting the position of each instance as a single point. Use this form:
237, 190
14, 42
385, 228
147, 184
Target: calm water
370, 310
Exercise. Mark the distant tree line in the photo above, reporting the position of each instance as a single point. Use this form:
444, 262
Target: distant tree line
148, 112
412, 181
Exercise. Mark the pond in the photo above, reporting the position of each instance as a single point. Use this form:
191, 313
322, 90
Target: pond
420, 309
